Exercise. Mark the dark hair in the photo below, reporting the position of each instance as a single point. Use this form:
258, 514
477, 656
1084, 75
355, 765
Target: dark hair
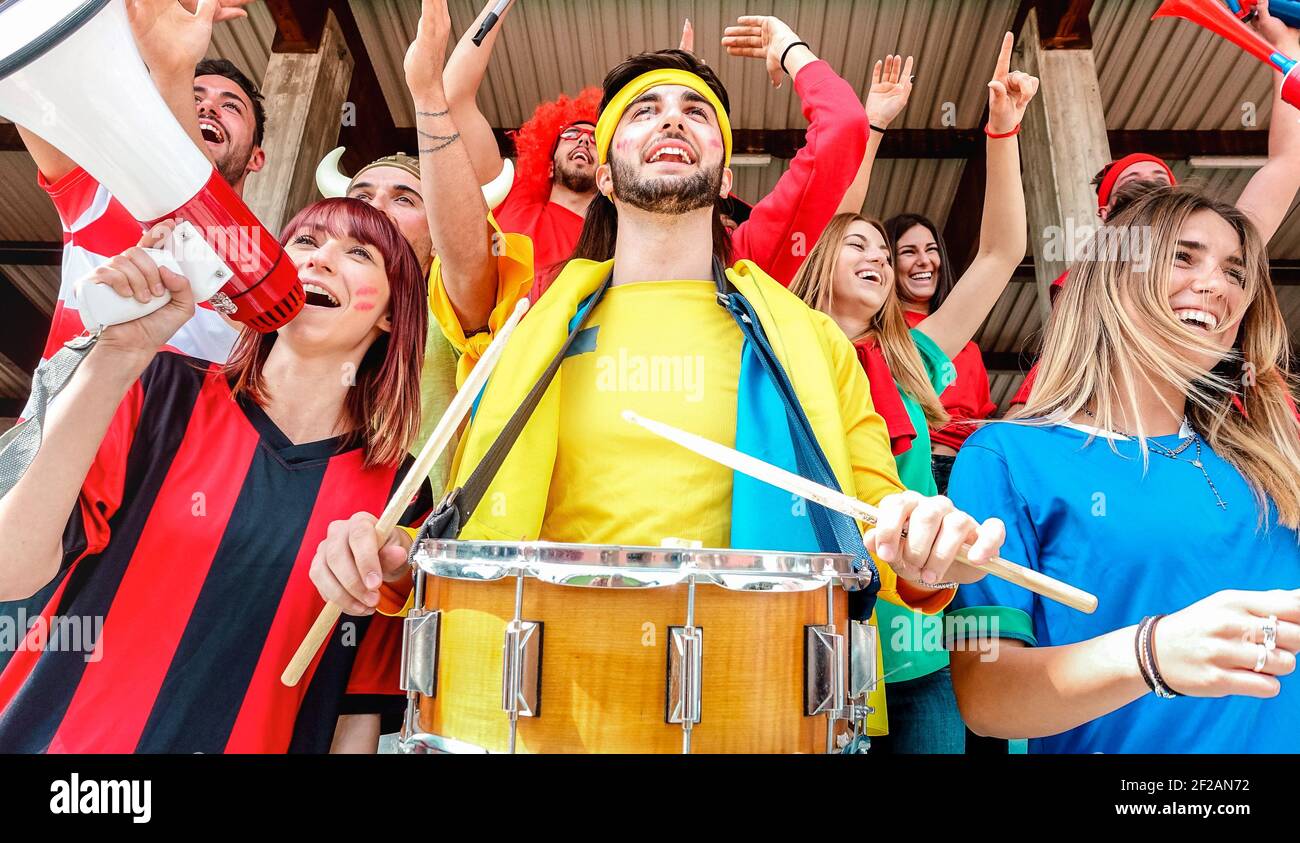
896, 227
382, 410
223, 67
600, 230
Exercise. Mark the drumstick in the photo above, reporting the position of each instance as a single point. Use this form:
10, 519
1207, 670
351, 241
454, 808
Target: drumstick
438, 440
1036, 582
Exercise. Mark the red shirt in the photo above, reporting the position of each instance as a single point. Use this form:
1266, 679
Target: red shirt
553, 228
97, 227
966, 398
885, 397
783, 227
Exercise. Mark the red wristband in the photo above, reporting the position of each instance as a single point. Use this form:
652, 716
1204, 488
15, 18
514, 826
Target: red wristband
1011, 133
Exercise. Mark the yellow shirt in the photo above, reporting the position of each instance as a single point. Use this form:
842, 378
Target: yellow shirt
667, 350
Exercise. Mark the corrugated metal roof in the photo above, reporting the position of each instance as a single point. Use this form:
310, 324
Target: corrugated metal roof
26, 212
1202, 80
14, 382
40, 284
246, 42
584, 38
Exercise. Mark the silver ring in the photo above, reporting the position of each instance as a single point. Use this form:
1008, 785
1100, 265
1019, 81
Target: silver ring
1270, 633
1261, 659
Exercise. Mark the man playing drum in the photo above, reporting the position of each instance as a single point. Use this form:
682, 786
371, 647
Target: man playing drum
656, 341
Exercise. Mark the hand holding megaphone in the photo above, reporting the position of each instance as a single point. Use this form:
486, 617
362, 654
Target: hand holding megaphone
146, 287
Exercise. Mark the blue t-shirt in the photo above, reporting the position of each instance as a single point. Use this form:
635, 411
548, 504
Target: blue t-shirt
1145, 544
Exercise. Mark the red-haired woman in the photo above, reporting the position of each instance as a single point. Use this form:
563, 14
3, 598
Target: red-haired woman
187, 500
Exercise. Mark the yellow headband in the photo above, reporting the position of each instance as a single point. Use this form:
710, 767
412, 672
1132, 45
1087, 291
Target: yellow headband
665, 76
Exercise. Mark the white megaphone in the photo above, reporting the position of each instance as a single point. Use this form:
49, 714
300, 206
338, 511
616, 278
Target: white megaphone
70, 72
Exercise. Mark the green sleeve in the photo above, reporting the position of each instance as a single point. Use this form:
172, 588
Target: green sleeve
937, 365
975, 622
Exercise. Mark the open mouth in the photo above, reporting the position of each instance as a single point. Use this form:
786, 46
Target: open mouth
212, 133
870, 276
318, 296
1201, 319
672, 151
922, 277
580, 155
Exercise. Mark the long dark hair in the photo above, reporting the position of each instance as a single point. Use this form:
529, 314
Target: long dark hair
600, 229
896, 227
382, 411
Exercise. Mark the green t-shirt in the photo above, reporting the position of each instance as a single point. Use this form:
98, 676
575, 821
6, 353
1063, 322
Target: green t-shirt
909, 637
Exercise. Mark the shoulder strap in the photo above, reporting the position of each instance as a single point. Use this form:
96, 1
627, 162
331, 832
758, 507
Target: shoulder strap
451, 514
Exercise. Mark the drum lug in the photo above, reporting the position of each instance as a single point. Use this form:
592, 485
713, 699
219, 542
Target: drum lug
419, 670
521, 669
862, 659
685, 671
824, 669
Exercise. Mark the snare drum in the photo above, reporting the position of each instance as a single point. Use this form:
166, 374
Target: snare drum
544, 647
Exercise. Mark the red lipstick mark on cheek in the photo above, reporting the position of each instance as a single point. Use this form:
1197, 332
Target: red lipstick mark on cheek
366, 291
363, 306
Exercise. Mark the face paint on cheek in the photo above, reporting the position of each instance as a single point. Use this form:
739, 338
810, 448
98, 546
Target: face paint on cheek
365, 292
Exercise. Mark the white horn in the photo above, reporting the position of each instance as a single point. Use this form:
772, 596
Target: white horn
330, 180
495, 191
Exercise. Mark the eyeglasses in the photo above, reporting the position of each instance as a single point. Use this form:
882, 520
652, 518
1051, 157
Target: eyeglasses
574, 133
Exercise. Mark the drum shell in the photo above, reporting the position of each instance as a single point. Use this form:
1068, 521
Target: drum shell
604, 657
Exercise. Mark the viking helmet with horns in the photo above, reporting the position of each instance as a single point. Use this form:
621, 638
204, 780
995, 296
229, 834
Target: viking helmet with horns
332, 182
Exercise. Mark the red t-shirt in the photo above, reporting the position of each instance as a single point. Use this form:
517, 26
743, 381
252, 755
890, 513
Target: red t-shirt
781, 228
966, 398
97, 227
885, 397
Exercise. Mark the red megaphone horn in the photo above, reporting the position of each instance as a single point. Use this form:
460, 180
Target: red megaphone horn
1216, 17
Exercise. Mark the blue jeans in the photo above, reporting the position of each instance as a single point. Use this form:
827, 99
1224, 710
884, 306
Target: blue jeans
923, 718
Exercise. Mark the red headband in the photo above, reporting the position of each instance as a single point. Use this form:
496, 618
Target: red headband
1117, 168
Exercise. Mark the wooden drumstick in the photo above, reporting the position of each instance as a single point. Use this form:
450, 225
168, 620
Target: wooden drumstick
438, 440
1036, 582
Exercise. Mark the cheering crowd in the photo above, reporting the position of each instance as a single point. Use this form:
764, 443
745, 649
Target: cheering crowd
1152, 457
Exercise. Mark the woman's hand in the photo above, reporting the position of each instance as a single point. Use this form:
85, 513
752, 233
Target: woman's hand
1277, 33
133, 274
891, 86
1009, 92
1210, 649
351, 564
935, 532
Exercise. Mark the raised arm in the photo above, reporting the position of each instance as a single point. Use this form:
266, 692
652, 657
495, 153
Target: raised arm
790, 218
1002, 227
34, 513
464, 74
1270, 192
462, 239
172, 37
891, 86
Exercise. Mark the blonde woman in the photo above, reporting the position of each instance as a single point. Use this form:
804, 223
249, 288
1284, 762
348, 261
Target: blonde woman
1132, 476
849, 275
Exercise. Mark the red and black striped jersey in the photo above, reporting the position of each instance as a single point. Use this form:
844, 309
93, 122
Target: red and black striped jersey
188, 553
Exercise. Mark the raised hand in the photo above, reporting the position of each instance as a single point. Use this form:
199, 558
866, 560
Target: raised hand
1009, 92
760, 37
229, 9
173, 37
1277, 33
428, 52
891, 86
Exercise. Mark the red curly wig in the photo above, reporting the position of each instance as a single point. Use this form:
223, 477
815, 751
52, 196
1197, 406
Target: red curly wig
535, 141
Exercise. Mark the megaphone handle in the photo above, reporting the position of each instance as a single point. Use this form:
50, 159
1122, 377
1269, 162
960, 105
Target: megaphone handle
100, 305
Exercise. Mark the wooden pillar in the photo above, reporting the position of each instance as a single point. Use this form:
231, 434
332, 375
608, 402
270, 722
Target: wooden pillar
1062, 145
305, 93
